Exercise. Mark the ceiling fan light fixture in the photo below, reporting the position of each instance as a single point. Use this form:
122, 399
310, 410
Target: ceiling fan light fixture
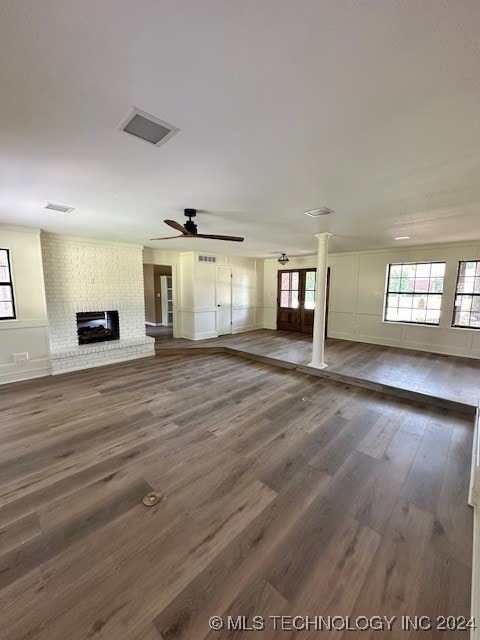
283, 259
189, 230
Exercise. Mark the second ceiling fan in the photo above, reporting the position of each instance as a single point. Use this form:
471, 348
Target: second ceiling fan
189, 229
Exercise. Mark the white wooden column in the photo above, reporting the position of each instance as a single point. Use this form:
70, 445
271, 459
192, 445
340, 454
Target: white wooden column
318, 350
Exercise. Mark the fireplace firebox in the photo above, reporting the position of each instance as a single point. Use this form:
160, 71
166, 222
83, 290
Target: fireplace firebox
97, 326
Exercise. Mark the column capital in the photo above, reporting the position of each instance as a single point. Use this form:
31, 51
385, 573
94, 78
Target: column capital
323, 237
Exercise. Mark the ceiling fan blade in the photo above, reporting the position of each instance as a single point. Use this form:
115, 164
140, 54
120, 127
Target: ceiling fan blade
230, 238
177, 226
170, 237
188, 234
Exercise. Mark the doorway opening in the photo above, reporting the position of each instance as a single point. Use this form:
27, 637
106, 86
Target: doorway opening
159, 301
296, 300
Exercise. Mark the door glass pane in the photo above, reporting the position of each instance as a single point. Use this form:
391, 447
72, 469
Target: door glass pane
285, 281
310, 280
295, 280
309, 299
284, 299
310, 277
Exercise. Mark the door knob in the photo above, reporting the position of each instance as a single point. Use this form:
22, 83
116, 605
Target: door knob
219, 305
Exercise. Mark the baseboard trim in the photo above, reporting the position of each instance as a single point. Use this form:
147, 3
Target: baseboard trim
400, 344
199, 336
35, 369
205, 336
27, 375
249, 327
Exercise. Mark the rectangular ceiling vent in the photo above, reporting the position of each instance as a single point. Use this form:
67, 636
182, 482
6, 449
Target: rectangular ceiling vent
207, 259
316, 213
58, 207
146, 127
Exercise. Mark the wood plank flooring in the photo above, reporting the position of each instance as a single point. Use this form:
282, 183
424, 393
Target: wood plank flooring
447, 377
352, 503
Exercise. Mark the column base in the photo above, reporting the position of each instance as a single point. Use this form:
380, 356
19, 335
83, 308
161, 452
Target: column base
321, 365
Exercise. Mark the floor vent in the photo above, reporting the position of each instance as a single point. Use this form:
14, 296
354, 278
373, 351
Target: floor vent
207, 259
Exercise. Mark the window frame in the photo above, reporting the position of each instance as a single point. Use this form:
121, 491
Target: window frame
412, 293
9, 283
457, 293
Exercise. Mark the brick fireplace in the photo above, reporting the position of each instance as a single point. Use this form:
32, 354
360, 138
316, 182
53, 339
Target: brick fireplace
82, 278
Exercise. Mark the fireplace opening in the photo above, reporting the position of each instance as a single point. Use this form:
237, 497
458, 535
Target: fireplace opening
97, 326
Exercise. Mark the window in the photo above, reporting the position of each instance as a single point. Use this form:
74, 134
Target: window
289, 287
7, 304
414, 292
466, 312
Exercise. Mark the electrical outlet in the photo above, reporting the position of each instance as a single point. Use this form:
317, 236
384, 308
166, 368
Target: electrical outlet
20, 359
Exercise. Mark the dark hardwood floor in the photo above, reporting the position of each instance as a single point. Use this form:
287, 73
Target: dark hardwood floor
448, 377
161, 334
284, 494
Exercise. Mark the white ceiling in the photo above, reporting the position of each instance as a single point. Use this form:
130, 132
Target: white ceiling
371, 108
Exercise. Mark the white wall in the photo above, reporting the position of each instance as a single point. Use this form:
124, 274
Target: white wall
28, 333
89, 275
194, 288
248, 276
247, 285
357, 292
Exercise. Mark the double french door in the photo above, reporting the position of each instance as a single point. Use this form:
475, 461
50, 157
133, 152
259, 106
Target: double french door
296, 299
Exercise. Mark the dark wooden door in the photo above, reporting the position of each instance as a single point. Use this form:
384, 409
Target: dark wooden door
288, 300
296, 299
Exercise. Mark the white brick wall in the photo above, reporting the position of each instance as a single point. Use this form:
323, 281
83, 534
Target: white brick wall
83, 275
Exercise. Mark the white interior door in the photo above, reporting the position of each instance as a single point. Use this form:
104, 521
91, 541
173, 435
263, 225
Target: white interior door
224, 299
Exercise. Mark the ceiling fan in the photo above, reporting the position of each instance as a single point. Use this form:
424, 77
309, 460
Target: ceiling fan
189, 229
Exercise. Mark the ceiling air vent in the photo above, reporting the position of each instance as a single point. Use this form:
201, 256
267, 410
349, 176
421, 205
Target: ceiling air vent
316, 213
58, 207
146, 127
207, 259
